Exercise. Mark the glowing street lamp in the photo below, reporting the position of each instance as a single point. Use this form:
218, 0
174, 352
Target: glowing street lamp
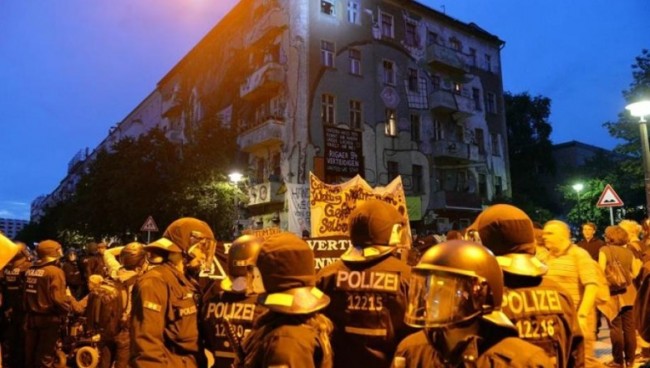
641, 109
578, 187
235, 177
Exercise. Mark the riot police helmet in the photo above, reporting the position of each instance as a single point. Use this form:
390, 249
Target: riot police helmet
242, 259
48, 251
455, 282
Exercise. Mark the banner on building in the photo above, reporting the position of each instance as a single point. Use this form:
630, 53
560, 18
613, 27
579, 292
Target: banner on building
343, 152
298, 208
331, 204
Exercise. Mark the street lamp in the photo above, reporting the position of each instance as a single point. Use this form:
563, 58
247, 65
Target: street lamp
641, 110
578, 187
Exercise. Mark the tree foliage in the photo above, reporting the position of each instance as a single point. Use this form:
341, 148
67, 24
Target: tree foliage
147, 176
529, 148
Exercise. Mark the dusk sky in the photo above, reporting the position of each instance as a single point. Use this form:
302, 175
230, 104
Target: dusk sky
70, 69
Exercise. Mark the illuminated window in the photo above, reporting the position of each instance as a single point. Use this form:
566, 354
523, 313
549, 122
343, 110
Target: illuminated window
327, 53
391, 123
327, 109
327, 7
355, 114
355, 61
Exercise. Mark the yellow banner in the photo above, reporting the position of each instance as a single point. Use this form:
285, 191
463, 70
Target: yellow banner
331, 204
7, 250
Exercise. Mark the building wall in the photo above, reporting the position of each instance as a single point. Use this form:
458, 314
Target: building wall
11, 227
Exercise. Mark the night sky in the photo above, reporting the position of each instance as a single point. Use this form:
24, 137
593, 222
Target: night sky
70, 69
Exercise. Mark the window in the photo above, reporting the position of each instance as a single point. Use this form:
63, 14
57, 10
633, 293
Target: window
387, 25
327, 53
389, 72
498, 185
476, 96
488, 62
480, 140
415, 127
355, 114
472, 56
458, 88
353, 12
413, 80
391, 123
327, 109
355, 61
327, 7
432, 38
495, 145
455, 44
392, 170
491, 103
416, 174
438, 131
435, 81
482, 186
410, 37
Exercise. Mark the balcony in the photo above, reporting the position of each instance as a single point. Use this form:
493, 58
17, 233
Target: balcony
458, 151
265, 193
447, 101
448, 59
264, 135
456, 200
263, 81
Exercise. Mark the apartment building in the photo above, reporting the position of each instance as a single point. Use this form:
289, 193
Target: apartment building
378, 88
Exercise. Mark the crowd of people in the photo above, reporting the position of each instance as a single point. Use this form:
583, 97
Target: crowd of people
505, 292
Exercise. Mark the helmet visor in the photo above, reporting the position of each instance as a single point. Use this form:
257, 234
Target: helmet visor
439, 298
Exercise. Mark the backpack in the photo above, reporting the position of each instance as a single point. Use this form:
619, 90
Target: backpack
105, 312
617, 276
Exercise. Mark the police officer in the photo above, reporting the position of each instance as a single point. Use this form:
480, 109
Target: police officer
13, 310
368, 287
455, 295
73, 277
292, 334
540, 308
234, 299
46, 304
164, 324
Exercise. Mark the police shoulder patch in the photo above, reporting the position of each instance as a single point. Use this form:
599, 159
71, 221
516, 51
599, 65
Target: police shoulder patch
152, 306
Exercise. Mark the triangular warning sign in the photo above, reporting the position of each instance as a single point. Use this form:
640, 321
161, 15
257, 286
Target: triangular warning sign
149, 225
609, 198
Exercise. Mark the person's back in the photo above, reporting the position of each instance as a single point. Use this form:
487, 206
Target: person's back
367, 306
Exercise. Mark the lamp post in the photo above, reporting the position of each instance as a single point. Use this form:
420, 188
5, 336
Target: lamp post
235, 177
641, 110
578, 187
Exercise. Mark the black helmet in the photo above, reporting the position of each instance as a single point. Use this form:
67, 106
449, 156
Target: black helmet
242, 256
133, 256
454, 282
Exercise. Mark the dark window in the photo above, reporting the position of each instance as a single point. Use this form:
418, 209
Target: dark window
476, 96
480, 140
498, 185
432, 38
410, 35
355, 114
392, 170
482, 186
413, 80
355, 61
415, 127
418, 187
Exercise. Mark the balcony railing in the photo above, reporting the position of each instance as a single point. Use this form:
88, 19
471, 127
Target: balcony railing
441, 99
456, 200
444, 149
447, 58
261, 136
264, 79
265, 193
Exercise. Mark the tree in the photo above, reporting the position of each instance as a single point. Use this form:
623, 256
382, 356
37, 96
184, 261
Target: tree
626, 128
529, 149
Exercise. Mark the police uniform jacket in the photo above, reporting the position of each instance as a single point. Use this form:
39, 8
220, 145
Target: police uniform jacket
480, 352
284, 343
13, 287
368, 302
240, 309
545, 316
164, 325
45, 297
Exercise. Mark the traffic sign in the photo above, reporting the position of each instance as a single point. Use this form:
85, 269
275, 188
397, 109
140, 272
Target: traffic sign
609, 198
149, 225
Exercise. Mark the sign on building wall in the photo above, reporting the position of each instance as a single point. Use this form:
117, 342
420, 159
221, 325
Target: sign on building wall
298, 207
343, 152
331, 204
